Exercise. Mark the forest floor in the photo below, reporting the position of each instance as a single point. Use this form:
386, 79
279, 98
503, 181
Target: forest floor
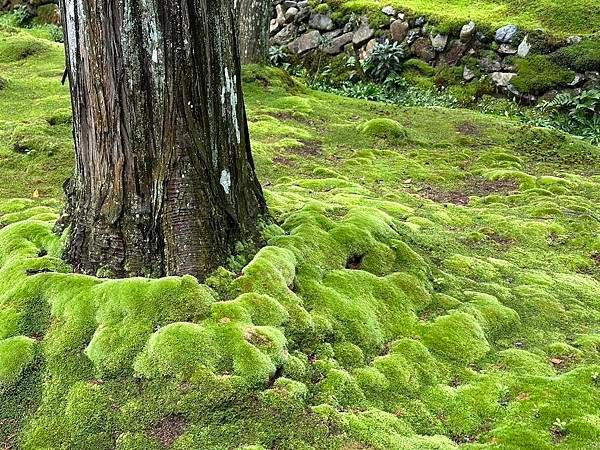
431, 280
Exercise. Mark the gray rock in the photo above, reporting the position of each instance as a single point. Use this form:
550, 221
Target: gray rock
524, 48
506, 34
332, 34
302, 16
439, 42
280, 15
412, 36
291, 13
574, 40
321, 22
388, 11
336, 45
363, 34
420, 21
468, 74
507, 49
490, 65
289, 4
423, 49
303, 4
502, 79
399, 30
287, 34
467, 32
305, 43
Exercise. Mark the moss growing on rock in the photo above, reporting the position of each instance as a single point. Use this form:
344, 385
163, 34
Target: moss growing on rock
538, 74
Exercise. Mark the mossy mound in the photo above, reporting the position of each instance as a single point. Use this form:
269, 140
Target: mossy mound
17, 48
383, 129
538, 74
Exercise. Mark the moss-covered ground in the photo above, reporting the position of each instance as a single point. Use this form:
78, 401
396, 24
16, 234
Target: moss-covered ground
431, 280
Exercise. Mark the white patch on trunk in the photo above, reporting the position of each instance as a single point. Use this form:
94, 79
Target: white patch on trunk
155, 56
226, 181
229, 90
71, 34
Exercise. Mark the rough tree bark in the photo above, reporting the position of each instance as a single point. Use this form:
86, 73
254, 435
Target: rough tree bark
253, 18
164, 180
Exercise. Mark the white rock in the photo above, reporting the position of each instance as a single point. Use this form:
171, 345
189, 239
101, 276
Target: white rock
467, 32
502, 79
524, 48
468, 74
388, 10
439, 42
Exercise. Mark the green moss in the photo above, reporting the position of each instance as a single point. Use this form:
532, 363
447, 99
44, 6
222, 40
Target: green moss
580, 57
17, 48
457, 337
16, 355
538, 74
384, 129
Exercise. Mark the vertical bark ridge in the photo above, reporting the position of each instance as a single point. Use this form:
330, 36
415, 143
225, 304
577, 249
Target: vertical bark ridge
253, 17
164, 180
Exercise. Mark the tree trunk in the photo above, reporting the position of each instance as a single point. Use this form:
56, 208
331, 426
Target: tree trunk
164, 179
254, 17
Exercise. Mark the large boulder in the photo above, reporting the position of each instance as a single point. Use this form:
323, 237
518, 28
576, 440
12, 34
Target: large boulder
456, 50
286, 35
305, 43
502, 79
524, 48
43, 10
439, 42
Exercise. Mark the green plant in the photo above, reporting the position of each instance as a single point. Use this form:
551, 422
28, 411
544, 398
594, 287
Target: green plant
578, 115
18, 17
385, 60
278, 55
56, 33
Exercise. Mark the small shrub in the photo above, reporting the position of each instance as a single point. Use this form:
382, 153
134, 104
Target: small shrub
578, 115
385, 60
18, 17
56, 33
